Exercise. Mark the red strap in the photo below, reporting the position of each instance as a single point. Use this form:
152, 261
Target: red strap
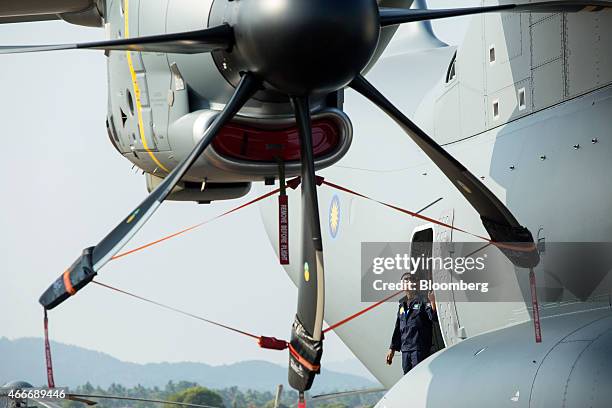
50, 380
527, 247
176, 310
266, 342
283, 229
293, 183
536, 309
367, 309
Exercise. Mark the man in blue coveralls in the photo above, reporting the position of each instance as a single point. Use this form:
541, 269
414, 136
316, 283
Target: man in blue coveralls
413, 326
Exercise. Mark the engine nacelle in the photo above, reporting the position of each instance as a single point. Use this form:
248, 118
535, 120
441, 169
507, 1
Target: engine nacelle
161, 104
572, 367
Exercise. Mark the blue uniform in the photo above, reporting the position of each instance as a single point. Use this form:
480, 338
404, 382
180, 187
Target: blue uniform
413, 331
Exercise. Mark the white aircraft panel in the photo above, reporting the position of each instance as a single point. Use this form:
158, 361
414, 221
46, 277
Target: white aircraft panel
548, 84
546, 37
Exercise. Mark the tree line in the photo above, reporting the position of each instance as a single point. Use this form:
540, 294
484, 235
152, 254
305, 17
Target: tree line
190, 392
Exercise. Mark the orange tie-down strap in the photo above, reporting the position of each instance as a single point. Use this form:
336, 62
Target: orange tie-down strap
294, 183
49, 364
266, 342
527, 247
309, 366
272, 342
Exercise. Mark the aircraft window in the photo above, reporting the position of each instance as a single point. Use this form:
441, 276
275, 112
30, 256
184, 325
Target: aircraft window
451, 73
495, 109
521, 99
492, 54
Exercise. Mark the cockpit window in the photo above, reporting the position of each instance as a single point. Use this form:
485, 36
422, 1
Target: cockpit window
451, 73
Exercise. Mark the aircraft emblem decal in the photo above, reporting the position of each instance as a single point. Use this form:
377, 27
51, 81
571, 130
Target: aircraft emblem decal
306, 272
334, 216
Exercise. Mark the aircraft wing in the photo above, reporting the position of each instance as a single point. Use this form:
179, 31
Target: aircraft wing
81, 12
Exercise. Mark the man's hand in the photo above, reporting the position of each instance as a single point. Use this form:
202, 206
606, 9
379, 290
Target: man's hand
390, 355
432, 299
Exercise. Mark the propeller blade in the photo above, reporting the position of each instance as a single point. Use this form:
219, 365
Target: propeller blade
333, 395
306, 346
189, 42
393, 16
497, 219
94, 258
82, 398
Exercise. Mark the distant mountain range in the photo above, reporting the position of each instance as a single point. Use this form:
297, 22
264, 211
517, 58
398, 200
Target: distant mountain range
23, 359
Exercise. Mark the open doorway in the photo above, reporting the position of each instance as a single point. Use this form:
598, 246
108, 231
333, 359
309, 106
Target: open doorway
422, 246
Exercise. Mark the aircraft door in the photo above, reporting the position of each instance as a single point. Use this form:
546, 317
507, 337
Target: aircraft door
422, 247
450, 328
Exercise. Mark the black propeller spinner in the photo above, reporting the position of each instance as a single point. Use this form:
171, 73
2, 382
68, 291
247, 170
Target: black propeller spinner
299, 48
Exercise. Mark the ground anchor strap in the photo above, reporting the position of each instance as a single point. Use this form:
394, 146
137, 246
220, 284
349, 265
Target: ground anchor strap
49, 363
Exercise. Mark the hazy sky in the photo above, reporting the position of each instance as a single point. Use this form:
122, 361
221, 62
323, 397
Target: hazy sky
64, 187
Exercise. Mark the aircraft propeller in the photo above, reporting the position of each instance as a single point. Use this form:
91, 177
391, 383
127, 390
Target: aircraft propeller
300, 49
306, 345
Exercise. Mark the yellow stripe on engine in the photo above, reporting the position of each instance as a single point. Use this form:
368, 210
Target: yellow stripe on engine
137, 90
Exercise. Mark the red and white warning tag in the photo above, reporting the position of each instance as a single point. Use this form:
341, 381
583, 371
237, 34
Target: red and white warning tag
536, 307
283, 229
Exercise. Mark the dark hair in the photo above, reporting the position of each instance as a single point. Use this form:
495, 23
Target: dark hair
410, 277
